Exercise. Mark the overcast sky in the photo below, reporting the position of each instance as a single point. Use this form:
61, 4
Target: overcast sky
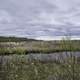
39, 18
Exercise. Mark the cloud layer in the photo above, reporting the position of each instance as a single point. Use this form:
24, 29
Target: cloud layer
36, 18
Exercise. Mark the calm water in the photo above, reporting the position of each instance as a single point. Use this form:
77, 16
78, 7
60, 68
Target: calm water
40, 57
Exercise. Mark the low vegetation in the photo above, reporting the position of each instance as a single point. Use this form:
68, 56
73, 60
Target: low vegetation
13, 45
19, 68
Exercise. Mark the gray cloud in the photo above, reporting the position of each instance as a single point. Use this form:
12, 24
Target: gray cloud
34, 18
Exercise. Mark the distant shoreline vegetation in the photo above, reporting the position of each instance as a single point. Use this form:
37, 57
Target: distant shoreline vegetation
20, 39
14, 39
18, 45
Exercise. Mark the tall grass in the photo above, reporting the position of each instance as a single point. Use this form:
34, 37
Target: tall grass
38, 47
72, 62
18, 68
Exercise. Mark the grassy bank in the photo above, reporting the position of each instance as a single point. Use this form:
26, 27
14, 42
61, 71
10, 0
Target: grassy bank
19, 51
20, 69
12, 45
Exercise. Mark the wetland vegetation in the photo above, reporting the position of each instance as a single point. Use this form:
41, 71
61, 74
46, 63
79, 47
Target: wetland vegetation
15, 65
13, 45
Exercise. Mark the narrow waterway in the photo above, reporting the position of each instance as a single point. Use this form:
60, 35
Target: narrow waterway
51, 57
